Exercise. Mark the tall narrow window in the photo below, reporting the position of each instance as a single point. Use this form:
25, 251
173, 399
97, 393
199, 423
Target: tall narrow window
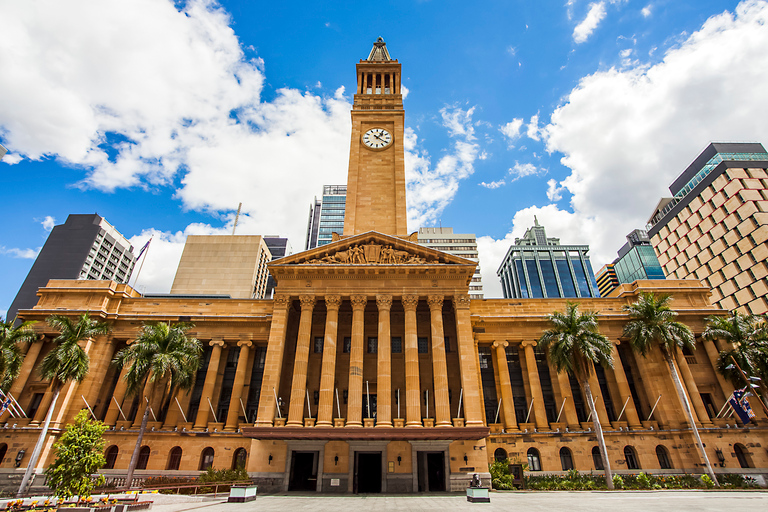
663, 455
206, 458
630, 456
373, 345
111, 457
597, 459
534, 461
143, 458
174, 458
566, 459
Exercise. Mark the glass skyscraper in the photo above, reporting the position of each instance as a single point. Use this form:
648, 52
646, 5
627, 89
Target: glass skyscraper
539, 267
326, 216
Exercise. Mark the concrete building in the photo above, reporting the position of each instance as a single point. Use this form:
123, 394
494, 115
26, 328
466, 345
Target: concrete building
86, 246
278, 248
637, 260
715, 227
326, 216
231, 265
463, 245
539, 267
606, 279
371, 370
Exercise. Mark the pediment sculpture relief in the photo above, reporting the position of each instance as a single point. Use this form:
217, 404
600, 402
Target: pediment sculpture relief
371, 254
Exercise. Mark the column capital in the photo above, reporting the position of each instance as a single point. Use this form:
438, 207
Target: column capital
383, 302
282, 301
217, 342
410, 302
500, 344
461, 301
307, 302
529, 343
358, 302
332, 302
435, 302
245, 343
616, 342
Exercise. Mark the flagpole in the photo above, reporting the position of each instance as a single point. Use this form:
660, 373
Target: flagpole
749, 384
135, 281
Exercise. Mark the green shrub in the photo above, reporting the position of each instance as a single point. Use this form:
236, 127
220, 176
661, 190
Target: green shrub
707, 481
643, 482
618, 482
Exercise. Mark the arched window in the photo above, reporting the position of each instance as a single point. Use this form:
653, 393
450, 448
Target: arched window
239, 458
174, 458
206, 458
111, 456
663, 455
534, 461
143, 458
500, 455
630, 457
597, 459
566, 459
742, 455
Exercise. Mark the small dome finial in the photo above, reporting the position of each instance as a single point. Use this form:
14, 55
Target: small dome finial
380, 39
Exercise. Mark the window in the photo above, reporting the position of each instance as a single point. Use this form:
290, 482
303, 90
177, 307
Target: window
34, 405
566, 459
347, 345
174, 458
423, 345
373, 345
742, 456
500, 455
630, 457
597, 459
206, 458
318, 344
447, 344
534, 461
143, 458
111, 456
239, 458
397, 345
663, 455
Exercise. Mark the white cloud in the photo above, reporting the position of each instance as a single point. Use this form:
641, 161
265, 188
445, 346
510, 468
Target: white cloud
493, 185
511, 50
28, 254
588, 25
404, 91
11, 158
554, 191
48, 222
511, 130
533, 128
522, 170
647, 11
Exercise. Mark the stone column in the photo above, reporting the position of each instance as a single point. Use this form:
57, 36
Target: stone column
68, 391
439, 366
597, 395
27, 367
712, 355
235, 407
328, 371
210, 381
412, 386
539, 411
273, 363
630, 413
384, 364
356, 352
569, 409
507, 401
468, 363
299, 386
693, 391
113, 413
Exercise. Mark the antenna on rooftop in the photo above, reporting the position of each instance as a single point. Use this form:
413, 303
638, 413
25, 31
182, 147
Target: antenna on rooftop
237, 216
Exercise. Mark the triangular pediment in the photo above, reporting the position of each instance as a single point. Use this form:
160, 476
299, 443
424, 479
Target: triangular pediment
372, 248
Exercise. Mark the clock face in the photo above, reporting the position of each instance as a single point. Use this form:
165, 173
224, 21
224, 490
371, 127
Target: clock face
377, 138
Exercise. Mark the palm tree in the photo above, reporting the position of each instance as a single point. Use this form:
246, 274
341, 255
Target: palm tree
162, 353
749, 336
67, 361
10, 352
654, 325
574, 346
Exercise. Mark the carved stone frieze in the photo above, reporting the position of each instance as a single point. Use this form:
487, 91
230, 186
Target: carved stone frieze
371, 254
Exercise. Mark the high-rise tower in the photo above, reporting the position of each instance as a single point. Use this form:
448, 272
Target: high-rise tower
376, 178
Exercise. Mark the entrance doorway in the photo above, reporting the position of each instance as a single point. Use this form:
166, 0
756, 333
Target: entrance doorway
431, 471
303, 471
367, 472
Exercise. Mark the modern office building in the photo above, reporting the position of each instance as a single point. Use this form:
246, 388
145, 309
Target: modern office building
463, 245
714, 228
606, 279
278, 247
539, 267
326, 216
637, 260
3, 151
229, 265
371, 370
86, 246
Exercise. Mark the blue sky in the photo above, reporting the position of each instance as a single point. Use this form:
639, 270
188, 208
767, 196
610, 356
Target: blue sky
163, 116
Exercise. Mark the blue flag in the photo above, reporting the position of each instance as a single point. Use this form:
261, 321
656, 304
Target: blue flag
741, 406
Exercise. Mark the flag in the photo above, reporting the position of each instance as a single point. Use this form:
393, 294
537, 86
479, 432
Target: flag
144, 248
740, 405
5, 405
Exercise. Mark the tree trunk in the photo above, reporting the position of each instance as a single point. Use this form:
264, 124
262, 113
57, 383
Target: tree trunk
39, 446
687, 409
137, 449
599, 432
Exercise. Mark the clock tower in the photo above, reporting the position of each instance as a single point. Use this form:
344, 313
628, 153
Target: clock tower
376, 178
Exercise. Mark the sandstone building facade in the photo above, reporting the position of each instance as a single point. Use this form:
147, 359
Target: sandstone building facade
371, 370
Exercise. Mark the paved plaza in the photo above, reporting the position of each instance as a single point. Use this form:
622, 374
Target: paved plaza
639, 501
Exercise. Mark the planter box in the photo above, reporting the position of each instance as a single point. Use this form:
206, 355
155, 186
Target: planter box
458, 422
242, 493
478, 495
338, 422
